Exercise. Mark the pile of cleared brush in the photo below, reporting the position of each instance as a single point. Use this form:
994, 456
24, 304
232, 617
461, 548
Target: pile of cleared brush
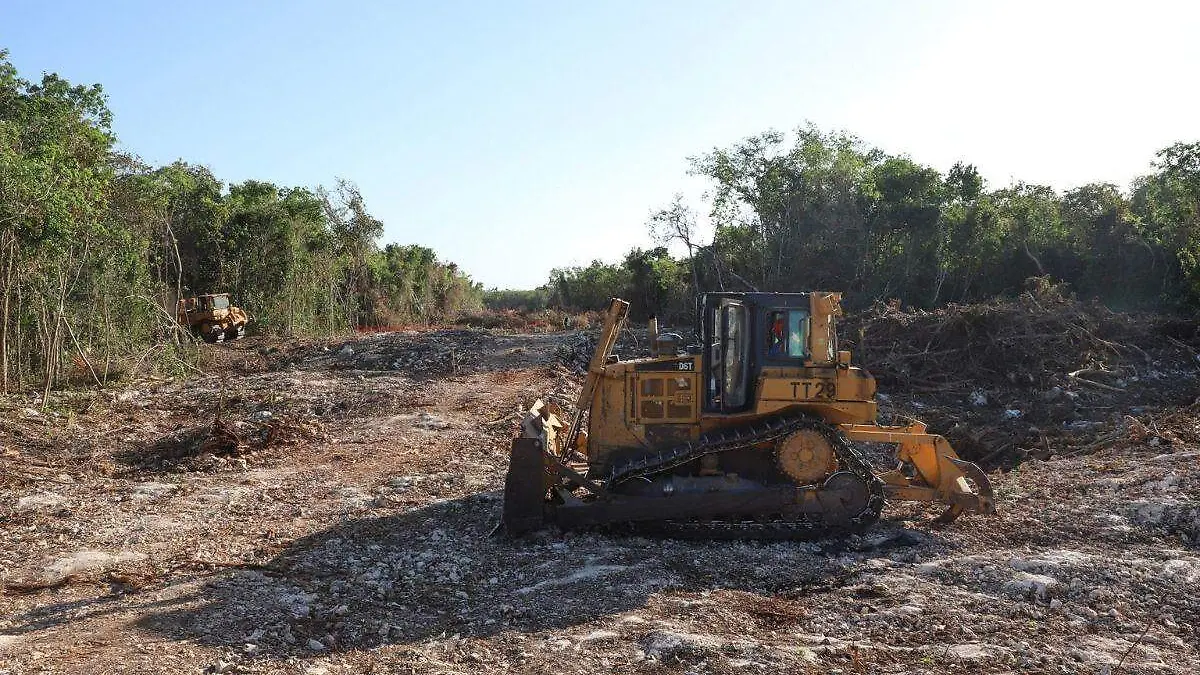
1035, 376
1042, 339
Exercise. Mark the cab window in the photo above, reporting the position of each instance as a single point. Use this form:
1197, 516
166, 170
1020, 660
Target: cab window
735, 357
787, 333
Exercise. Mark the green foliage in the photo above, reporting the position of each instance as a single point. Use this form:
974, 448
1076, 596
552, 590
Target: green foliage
536, 300
587, 288
57, 246
96, 247
1168, 205
414, 286
823, 210
828, 212
656, 284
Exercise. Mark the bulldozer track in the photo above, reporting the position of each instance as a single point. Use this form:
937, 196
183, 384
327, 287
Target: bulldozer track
765, 431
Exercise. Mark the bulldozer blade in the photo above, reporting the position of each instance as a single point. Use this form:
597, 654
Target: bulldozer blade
524, 488
985, 501
950, 515
937, 474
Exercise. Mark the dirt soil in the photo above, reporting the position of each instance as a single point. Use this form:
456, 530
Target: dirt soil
329, 507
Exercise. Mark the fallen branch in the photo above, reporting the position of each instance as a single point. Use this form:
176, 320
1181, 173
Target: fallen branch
1092, 371
1096, 444
1183, 344
31, 587
1134, 645
994, 454
1098, 385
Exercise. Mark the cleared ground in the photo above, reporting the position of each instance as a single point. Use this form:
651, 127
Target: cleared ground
339, 520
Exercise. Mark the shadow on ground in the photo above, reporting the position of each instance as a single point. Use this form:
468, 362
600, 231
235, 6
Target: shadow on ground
437, 570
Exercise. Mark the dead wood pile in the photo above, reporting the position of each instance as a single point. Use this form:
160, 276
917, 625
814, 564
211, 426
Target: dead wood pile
1042, 339
1037, 375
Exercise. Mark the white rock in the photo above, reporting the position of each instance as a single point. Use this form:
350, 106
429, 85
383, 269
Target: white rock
581, 574
42, 501
976, 651
1039, 585
661, 644
88, 561
1049, 561
151, 490
599, 635
315, 645
431, 422
1181, 570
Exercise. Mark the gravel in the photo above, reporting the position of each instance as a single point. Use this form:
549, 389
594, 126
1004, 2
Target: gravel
360, 538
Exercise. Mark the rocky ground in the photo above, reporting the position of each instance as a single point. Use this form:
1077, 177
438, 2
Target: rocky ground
329, 508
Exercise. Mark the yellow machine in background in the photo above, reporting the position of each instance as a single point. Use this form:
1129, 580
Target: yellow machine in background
212, 318
751, 433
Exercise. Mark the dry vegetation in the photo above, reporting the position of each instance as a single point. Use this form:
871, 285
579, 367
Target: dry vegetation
328, 508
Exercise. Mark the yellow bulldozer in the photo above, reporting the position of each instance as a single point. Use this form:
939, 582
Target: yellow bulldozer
212, 318
757, 432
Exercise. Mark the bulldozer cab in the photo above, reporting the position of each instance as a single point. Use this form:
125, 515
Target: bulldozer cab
744, 332
214, 301
202, 305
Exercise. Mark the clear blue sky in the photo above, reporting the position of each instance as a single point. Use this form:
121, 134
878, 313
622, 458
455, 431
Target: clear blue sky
513, 137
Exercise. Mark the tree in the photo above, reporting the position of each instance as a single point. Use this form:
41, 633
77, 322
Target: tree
355, 232
55, 140
674, 223
96, 247
1168, 202
800, 208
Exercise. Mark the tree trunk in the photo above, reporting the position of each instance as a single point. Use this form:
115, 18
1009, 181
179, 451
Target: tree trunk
10, 254
173, 310
20, 379
50, 353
